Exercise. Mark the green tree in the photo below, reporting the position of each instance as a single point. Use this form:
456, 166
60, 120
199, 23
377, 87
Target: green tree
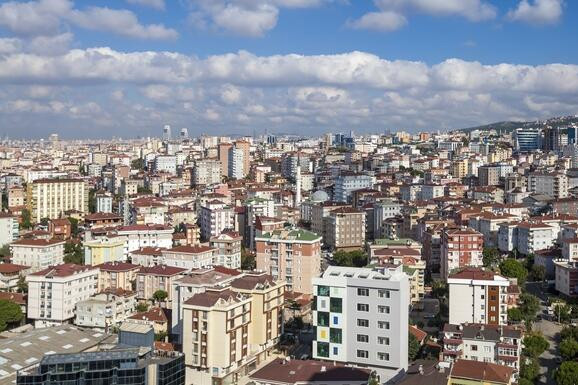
74, 231
248, 261
10, 314
515, 315
355, 258
92, 200
137, 164
44, 221
563, 312
22, 285
440, 289
567, 373
73, 253
538, 273
534, 345
26, 219
569, 332
5, 251
529, 306
160, 295
162, 336
141, 307
524, 381
529, 369
413, 347
514, 269
568, 349
490, 256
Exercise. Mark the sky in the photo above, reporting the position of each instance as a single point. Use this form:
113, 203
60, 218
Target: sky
125, 68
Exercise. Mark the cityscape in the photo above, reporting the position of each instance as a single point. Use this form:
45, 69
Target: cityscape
394, 203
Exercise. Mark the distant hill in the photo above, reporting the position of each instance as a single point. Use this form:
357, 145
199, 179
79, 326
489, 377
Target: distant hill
508, 126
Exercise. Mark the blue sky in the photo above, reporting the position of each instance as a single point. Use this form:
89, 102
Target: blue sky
127, 67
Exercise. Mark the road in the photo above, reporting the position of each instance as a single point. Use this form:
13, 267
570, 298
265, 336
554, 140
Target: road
548, 360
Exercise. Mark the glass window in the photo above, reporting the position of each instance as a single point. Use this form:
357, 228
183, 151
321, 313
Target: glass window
362, 307
363, 292
336, 305
323, 290
383, 293
335, 335
362, 354
363, 323
322, 318
322, 349
363, 338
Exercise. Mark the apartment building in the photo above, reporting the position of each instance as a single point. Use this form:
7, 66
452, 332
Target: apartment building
189, 257
236, 163
570, 249
139, 236
345, 229
49, 198
103, 250
159, 277
534, 236
105, 309
232, 329
460, 248
488, 224
500, 345
345, 184
554, 185
10, 274
9, 228
117, 275
361, 318
566, 277
215, 216
103, 202
54, 292
478, 296
292, 255
489, 175
227, 247
37, 253
321, 210
206, 172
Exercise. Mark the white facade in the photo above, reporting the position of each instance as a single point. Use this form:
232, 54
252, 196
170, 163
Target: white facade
215, 217
37, 253
206, 172
166, 163
346, 184
139, 236
8, 229
104, 203
236, 163
105, 310
53, 293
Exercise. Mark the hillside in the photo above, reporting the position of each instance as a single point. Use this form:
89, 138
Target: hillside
508, 126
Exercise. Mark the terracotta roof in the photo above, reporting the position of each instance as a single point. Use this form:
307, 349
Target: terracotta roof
18, 298
37, 242
419, 334
166, 346
210, 297
473, 273
63, 270
252, 281
161, 270
117, 266
155, 314
149, 251
7, 268
281, 371
190, 249
482, 371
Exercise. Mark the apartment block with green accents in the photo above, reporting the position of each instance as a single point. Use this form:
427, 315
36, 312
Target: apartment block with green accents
361, 318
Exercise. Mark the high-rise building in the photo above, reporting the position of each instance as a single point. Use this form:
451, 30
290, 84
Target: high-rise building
361, 318
478, 296
206, 172
167, 132
49, 198
184, 133
236, 163
347, 183
224, 149
460, 248
489, 175
553, 184
527, 139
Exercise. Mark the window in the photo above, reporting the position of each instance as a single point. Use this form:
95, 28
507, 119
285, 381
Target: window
323, 290
363, 338
363, 323
383, 325
335, 320
383, 340
362, 354
383, 356
322, 349
335, 351
383, 309
336, 305
322, 318
363, 292
474, 348
335, 336
383, 293
362, 307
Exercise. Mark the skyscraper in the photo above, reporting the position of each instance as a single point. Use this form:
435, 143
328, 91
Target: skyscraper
167, 132
527, 139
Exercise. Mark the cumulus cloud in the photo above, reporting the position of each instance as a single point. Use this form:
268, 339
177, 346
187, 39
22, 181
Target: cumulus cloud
157, 4
247, 18
537, 11
136, 92
392, 14
47, 17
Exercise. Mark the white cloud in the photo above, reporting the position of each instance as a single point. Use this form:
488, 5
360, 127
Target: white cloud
10, 45
537, 11
47, 18
294, 93
157, 4
392, 14
251, 18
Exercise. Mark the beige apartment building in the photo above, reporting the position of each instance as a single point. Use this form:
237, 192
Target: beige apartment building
292, 255
117, 275
159, 277
49, 198
37, 253
345, 229
229, 330
54, 292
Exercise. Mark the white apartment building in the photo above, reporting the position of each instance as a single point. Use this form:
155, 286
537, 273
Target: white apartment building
104, 203
37, 253
554, 185
139, 236
8, 229
216, 216
106, 309
206, 172
431, 191
534, 236
347, 183
166, 163
236, 163
478, 296
361, 318
49, 198
54, 292
189, 257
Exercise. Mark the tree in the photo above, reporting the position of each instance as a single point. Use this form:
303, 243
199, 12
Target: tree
162, 336
26, 219
563, 312
22, 285
490, 256
534, 345
73, 253
529, 369
5, 251
515, 315
439, 289
524, 381
141, 307
10, 314
567, 373
355, 258
248, 261
74, 227
92, 200
137, 164
514, 269
569, 332
538, 273
412, 347
529, 306
160, 295
568, 349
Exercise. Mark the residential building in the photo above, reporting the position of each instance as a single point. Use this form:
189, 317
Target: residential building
37, 253
460, 248
139, 236
216, 216
489, 175
531, 237
54, 292
189, 257
292, 255
566, 277
10, 274
159, 277
345, 184
9, 229
361, 318
206, 172
345, 229
50, 198
117, 275
554, 185
236, 163
103, 250
103, 202
480, 373
478, 296
227, 246
106, 309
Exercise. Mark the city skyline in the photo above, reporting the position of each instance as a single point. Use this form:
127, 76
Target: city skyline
234, 67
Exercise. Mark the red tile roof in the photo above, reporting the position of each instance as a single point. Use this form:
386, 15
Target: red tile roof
63, 270
481, 371
161, 270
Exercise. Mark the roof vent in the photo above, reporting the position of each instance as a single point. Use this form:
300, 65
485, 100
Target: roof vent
323, 369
